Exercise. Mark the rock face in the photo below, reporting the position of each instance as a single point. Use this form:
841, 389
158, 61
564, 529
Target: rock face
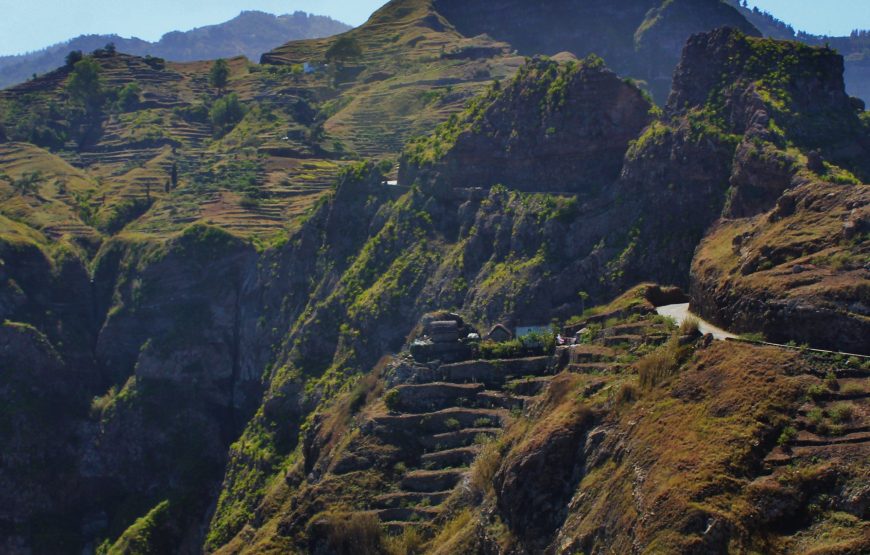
202, 357
555, 127
763, 274
771, 91
792, 273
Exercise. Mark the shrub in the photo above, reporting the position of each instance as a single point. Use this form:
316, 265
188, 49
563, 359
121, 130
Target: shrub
817, 391
816, 418
659, 364
842, 412
391, 399
627, 393
787, 436
219, 74
128, 97
85, 85
690, 326
409, 543
533, 344
452, 424
353, 534
226, 113
344, 49
74, 57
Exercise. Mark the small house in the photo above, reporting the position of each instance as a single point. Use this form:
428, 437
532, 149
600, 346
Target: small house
499, 334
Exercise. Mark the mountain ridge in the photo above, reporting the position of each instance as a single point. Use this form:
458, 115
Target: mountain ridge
249, 34
227, 327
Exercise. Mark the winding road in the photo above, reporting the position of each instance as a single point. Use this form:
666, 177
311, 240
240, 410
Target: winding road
680, 312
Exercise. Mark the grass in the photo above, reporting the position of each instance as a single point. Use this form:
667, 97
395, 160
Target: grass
150, 535
659, 365
350, 533
480, 479
690, 326
627, 394
788, 434
842, 413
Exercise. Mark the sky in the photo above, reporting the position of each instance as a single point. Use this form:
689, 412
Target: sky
33, 24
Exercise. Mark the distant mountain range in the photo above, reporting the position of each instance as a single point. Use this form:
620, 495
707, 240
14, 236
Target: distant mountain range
251, 33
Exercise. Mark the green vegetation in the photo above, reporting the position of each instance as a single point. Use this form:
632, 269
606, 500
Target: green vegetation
533, 344
153, 534
219, 75
226, 113
344, 49
789, 433
85, 85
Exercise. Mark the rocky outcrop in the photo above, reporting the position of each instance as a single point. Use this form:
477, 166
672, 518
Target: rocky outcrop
554, 128
791, 273
774, 91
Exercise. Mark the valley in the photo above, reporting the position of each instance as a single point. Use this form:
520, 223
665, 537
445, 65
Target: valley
396, 291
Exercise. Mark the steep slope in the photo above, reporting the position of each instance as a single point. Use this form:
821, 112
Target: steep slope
228, 389
640, 39
854, 48
574, 143
250, 177
249, 34
793, 251
645, 224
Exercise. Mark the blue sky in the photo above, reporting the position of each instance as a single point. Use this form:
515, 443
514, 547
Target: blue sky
32, 24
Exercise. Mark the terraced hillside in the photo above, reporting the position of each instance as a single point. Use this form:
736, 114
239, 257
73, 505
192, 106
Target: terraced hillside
568, 450
198, 363
249, 34
416, 67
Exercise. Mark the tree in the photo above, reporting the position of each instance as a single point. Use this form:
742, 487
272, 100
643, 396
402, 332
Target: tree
226, 113
73, 58
128, 97
110, 49
174, 175
344, 49
219, 75
85, 84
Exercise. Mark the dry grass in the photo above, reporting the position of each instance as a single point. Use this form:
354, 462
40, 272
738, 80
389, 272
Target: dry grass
660, 364
411, 542
457, 536
627, 393
353, 534
485, 466
690, 326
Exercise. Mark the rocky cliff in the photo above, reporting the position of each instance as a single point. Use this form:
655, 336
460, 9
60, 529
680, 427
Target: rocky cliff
230, 385
574, 143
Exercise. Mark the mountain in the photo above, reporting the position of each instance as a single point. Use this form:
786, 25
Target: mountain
855, 48
278, 314
249, 34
